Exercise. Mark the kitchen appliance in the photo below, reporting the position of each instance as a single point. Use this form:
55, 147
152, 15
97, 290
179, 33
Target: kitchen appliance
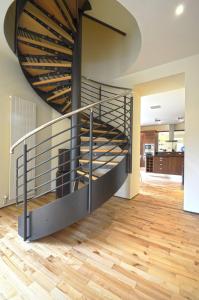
149, 149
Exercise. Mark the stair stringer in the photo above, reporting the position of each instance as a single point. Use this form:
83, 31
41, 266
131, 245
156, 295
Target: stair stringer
65, 211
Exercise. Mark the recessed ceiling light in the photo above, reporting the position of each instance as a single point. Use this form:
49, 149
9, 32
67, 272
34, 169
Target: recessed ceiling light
181, 119
179, 10
157, 120
155, 106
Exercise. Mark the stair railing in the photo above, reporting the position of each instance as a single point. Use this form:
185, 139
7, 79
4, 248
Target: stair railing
105, 139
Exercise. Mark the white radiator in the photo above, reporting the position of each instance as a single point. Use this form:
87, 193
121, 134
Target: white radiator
23, 120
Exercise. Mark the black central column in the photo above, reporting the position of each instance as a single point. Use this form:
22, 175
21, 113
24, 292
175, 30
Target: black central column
76, 102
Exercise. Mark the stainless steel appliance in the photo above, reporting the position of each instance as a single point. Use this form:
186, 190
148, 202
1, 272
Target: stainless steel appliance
149, 149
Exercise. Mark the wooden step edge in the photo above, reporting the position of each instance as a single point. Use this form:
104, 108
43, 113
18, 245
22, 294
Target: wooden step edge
46, 45
66, 107
98, 140
40, 64
65, 91
86, 175
100, 131
67, 16
105, 151
33, 10
51, 80
98, 162
94, 123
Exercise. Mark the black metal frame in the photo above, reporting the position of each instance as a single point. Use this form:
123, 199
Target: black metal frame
100, 155
104, 144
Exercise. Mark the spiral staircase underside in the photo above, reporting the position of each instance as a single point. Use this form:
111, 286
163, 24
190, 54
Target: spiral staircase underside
46, 36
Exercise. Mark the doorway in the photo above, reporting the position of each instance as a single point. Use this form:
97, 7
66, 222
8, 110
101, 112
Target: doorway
162, 133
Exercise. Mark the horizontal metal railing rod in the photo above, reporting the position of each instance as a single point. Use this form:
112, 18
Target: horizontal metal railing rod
110, 112
51, 190
110, 160
96, 159
96, 110
108, 142
92, 86
52, 180
111, 120
50, 159
107, 85
53, 136
108, 151
25, 137
53, 169
112, 104
53, 147
92, 91
97, 98
63, 142
100, 146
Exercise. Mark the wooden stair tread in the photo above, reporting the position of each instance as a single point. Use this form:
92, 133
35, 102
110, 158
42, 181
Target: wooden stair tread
61, 101
66, 14
66, 107
58, 94
37, 72
27, 22
96, 139
100, 150
94, 123
47, 64
53, 80
85, 174
25, 49
98, 162
46, 45
52, 9
31, 8
99, 131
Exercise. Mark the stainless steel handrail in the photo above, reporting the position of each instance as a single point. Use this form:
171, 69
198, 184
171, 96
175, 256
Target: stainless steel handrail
46, 125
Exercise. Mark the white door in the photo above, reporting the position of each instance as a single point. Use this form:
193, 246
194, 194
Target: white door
23, 120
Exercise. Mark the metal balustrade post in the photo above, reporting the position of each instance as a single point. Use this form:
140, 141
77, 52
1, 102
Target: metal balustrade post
90, 162
125, 115
25, 196
17, 181
131, 137
100, 106
76, 104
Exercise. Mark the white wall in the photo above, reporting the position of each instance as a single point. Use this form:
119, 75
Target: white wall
107, 54
189, 66
12, 82
132, 184
180, 126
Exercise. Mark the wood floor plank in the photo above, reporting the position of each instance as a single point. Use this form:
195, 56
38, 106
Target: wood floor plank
146, 248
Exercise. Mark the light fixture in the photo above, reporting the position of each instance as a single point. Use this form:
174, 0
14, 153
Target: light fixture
157, 120
179, 10
181, 119
155, 106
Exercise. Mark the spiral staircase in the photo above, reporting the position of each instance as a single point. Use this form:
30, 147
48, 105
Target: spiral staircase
88, 158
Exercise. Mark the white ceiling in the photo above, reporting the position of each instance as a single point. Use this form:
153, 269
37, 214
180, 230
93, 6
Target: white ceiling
172, 106
165, 37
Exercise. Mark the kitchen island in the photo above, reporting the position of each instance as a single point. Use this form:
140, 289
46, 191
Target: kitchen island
166, 163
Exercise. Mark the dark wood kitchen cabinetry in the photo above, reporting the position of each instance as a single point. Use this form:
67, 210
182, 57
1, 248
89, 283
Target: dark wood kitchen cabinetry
166, 163
147, 137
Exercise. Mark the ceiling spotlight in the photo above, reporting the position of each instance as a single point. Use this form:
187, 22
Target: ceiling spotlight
155, 106
157, 120
179, 10
181, 119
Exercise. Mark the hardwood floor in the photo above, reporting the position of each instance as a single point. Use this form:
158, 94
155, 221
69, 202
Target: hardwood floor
146, 248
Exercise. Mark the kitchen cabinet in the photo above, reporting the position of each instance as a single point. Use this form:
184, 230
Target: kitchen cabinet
166, 163
147, 137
